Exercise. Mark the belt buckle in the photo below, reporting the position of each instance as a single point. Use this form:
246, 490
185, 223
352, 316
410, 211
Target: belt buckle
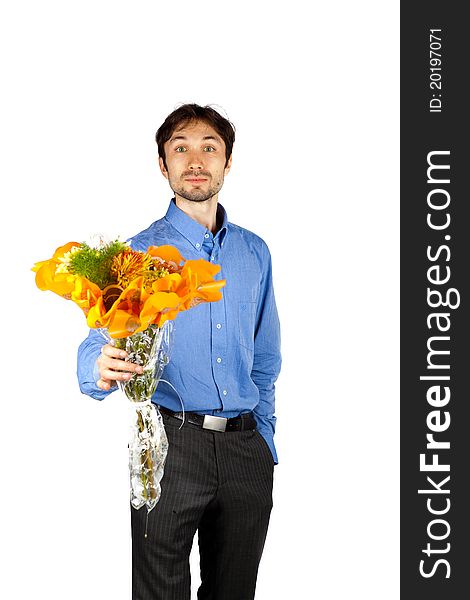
214, 423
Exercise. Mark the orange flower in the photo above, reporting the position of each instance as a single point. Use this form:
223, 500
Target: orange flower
85, 294
50, 276
168, 255
199, 277
129, 300
159, 307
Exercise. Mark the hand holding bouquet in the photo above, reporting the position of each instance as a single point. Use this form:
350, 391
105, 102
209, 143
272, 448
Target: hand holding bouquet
132, 297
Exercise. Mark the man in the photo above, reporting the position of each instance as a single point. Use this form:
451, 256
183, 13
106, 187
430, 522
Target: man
225, 359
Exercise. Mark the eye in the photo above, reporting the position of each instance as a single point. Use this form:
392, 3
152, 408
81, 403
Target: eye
209, 149
180, 149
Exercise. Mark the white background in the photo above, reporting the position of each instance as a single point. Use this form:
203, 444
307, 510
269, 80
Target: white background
312, 88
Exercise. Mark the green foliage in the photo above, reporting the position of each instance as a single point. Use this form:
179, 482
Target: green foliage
95, 263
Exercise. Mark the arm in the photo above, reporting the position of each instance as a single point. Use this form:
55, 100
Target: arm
267, 355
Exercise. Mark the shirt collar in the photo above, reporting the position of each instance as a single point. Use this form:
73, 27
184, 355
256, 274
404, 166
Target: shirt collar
193, 231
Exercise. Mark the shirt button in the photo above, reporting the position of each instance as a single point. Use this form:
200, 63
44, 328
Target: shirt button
212, 258
225, 392
219, 360
206, 235
198, 245
218, 325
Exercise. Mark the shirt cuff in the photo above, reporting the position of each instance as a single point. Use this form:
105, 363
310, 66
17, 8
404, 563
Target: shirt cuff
270, 441
90, 388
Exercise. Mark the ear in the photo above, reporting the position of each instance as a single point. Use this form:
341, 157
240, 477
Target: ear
162, 167
229, 164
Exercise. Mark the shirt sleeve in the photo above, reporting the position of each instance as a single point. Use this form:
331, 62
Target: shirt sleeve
267, 355
87, 369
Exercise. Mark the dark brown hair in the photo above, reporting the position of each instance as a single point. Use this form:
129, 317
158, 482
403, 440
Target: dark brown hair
193, 112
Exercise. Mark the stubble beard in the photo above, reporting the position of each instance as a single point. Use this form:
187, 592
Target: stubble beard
196, 195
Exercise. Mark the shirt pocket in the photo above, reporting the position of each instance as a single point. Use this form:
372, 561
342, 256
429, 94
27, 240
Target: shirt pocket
246, 324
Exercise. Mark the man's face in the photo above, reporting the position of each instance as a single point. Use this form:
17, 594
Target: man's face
195, 162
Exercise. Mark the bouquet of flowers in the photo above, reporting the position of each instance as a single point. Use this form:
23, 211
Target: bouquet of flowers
132, 297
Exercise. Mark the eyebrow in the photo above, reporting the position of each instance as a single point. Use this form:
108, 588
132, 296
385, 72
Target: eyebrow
206, 137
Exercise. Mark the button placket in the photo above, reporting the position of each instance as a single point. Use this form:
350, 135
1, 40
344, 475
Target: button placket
219, 346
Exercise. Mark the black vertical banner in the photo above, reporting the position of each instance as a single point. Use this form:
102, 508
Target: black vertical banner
435, 309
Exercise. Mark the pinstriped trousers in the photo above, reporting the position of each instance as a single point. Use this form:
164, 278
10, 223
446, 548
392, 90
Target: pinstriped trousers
220, 484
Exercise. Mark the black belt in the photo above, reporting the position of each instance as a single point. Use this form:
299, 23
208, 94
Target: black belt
241, 423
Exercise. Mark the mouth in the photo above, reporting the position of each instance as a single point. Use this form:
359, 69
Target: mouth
195, 179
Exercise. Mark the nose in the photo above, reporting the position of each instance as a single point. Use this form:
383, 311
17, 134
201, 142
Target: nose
195, 161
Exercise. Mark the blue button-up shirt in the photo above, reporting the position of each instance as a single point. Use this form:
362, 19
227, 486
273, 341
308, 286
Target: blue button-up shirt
225, 357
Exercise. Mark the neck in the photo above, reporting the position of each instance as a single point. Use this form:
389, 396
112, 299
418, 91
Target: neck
204, 213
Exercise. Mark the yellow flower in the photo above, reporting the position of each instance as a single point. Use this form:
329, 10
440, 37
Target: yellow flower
63, 262
129, 265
